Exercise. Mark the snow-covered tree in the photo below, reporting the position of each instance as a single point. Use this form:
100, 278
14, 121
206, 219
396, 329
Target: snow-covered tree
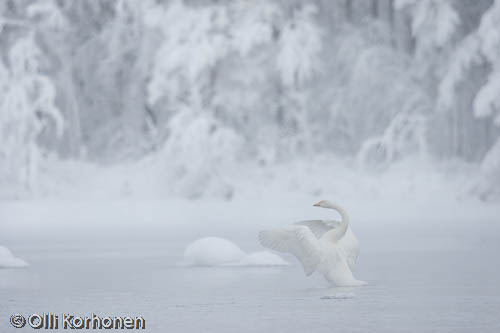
27, 109
52, 31
482, 46
487, 100
194, 40
297, 60
242, 82
433, 23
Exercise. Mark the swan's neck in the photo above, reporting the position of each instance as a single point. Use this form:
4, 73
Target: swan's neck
335, 234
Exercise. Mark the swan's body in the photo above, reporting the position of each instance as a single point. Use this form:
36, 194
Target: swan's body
348, 245
328, 247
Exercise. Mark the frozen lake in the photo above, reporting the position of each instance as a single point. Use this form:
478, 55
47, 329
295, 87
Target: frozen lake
440, 276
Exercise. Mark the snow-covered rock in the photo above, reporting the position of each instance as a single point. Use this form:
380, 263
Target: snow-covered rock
212, 251
7, 259
216, 251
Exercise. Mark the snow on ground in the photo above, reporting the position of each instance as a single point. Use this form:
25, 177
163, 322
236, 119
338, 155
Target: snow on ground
342, 180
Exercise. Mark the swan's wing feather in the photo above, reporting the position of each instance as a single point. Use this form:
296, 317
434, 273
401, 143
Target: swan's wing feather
319, 227
349, 245
297, 240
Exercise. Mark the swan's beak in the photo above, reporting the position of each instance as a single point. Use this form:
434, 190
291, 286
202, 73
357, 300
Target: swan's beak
317, 204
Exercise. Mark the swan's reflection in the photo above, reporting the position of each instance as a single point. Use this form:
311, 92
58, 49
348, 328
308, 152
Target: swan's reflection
339, 293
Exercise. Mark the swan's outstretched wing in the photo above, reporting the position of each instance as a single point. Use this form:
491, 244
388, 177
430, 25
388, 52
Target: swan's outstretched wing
297, 240
319, 227
349, 245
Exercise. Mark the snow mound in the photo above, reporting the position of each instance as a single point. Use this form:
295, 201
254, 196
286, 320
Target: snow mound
262, 258
212, 251
216, 251
7, 259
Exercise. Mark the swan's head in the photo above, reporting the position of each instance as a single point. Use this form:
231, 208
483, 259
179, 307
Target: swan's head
323, 204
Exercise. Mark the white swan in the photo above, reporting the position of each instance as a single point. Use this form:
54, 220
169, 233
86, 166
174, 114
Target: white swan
319, 246
348, 244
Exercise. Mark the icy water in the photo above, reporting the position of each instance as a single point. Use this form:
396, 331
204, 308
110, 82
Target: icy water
421, 279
